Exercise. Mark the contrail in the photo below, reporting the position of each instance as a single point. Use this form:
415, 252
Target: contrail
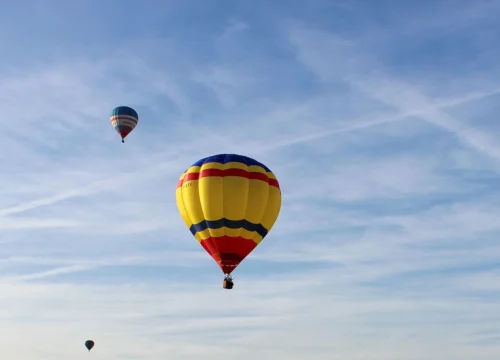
401, 93
382, 120
82, 191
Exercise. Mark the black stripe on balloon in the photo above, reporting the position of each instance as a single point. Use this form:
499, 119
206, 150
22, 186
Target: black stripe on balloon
231, 224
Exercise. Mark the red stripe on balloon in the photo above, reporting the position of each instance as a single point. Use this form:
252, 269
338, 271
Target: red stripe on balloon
252, 175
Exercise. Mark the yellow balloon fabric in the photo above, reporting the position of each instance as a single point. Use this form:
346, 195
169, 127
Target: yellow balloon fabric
229, 203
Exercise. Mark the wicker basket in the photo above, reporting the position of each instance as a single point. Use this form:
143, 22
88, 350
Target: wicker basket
227, 284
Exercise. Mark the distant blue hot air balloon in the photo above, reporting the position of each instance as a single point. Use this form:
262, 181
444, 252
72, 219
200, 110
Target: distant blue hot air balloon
124, 119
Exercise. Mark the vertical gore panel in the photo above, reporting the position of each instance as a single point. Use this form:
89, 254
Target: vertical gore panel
256, 208
182, 208
273, 208
191, 197
210, 199
235, 198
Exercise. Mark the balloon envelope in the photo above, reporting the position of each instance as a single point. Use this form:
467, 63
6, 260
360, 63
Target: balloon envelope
89, 344
124, 119
229, 203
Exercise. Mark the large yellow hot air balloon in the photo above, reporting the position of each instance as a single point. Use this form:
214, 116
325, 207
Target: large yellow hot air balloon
229, 203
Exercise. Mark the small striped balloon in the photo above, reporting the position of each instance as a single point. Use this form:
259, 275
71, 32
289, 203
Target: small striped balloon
124, 119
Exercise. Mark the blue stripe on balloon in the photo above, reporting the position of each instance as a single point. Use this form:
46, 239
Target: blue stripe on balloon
227, 158
124, 110
231, 224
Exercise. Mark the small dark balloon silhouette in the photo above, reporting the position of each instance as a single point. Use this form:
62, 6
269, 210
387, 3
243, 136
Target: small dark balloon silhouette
89, 344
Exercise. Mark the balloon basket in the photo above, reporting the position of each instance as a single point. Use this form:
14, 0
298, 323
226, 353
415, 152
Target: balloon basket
227, 284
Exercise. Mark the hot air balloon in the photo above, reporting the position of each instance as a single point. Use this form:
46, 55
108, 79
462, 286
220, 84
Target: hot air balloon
124, 119
89, 344
229, 203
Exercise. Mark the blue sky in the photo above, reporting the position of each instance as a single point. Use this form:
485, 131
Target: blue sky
379, 118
